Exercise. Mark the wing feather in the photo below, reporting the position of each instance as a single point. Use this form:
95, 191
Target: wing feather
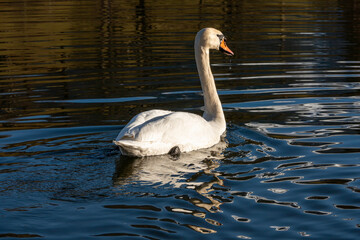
158, 132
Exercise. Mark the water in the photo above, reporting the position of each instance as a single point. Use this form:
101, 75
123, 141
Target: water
72, 73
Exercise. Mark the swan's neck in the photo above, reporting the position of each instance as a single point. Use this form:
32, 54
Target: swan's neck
213, 109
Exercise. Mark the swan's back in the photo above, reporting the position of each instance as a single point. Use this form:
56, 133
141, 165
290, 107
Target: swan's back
131, 128
155, 132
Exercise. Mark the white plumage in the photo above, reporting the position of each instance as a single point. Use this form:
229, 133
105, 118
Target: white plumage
156, 132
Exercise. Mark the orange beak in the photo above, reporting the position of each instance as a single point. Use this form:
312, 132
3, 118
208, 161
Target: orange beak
225, 48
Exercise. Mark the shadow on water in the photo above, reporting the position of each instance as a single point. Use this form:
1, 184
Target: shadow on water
180, 172
205, 174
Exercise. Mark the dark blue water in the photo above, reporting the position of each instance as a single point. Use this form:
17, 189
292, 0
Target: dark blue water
73, 73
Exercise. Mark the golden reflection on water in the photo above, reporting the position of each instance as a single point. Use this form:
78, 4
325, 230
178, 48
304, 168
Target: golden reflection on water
45, 37
105, 49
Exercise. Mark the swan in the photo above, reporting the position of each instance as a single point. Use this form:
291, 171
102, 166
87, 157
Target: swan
159, 132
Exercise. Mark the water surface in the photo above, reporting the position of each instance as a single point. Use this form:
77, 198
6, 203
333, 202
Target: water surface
73, 73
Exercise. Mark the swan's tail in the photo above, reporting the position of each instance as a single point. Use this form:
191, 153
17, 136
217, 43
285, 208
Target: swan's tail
139, 149
129, 148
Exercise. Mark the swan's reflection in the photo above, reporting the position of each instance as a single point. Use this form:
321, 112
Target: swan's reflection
183, 171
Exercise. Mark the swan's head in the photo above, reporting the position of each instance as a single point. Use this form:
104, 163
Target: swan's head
211, 38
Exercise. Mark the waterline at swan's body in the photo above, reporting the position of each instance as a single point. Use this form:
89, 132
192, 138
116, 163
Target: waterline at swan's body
156, 132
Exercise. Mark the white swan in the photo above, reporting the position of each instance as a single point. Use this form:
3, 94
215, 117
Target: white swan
158, 132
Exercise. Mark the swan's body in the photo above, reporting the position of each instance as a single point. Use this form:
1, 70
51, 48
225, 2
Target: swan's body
156, 132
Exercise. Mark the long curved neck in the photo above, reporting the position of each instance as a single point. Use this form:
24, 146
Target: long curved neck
213, 108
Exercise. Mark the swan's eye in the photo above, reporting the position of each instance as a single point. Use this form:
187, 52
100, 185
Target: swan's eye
221, 37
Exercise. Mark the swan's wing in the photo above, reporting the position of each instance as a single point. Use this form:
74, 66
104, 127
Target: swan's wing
159, 134
175, 128
130, 130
